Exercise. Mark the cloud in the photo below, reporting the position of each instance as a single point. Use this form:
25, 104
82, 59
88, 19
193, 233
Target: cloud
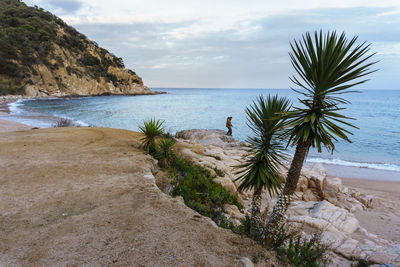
59, 7
228, 43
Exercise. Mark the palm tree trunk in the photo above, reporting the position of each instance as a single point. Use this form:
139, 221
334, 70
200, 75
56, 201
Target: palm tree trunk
277, 218
257, 224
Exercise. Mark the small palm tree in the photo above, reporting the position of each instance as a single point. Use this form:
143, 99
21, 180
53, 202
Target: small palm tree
151, 129
328, 65
260, 171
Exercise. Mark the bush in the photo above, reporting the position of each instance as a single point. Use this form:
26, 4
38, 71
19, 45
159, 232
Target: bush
194, 183
11, 87
292, 248
89, 60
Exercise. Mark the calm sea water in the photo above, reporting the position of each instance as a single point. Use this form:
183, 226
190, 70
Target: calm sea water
374, 153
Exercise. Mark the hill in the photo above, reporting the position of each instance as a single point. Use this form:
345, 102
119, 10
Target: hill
41, 55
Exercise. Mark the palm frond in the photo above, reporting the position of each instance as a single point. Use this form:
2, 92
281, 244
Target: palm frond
327, 66
266, 150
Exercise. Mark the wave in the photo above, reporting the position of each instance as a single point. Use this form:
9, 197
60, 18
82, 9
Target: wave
35, 118
14, 106
377, 166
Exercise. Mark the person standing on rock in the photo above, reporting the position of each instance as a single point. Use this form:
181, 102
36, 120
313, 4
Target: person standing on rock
229, 126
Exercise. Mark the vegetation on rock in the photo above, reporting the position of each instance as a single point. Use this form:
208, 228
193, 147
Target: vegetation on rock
194, 183
33, 40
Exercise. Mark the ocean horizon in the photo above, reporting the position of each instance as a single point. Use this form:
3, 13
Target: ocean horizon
373, 154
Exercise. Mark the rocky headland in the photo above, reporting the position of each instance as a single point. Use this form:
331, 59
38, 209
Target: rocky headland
42, 56
322, 204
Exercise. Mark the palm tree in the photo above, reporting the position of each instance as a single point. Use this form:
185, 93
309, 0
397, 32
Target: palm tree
328, 65
260, 170
151, 129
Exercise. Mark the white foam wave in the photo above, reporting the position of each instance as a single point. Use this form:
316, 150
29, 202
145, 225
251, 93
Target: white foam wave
14, 106
377, 166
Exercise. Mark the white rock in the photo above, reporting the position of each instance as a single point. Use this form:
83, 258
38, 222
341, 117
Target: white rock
336, 182
149, 176
246, 262
347, 248
233, 211
338, 217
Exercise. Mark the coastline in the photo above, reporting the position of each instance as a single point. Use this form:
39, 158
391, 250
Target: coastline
382, 220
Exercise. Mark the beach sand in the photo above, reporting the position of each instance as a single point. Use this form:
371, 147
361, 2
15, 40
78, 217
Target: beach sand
383, 220
11, 126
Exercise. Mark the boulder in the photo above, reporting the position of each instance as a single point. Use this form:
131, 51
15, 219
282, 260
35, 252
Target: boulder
208, 137
227, 184
233, 211
347, 248
339, 218
309, 195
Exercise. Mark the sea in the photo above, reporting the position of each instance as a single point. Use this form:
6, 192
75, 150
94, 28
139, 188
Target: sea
373, 154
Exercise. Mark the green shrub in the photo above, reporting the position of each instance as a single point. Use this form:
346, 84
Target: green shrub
194, 183
89, 60
292, 249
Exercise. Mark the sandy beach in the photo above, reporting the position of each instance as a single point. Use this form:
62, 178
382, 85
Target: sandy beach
101, 208
383, 220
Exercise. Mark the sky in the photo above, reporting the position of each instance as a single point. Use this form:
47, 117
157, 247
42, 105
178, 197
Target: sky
229, 43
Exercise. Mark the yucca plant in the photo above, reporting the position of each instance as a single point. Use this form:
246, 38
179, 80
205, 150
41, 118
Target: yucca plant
260, 171
165, 152
327, 66
151, 129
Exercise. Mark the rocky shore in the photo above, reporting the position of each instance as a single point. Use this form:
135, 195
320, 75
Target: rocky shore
322, 204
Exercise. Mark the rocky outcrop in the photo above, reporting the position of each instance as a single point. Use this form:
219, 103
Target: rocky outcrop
70, 77
42, 56
320, 204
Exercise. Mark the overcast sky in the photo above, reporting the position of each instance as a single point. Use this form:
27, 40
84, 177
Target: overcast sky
229, 43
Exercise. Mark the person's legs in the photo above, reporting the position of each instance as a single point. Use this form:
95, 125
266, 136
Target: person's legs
229, 131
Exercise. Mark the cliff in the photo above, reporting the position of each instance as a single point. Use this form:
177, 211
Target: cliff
42, 56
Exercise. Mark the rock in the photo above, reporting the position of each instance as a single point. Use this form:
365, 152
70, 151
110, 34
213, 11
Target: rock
379, 258
339, 218
347, 248
317, 179
302, 184
208, 137
333, 239
367, 200
149, 176
226, 183
309, 195
335, 183
349, 203
233, 211
246, 262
